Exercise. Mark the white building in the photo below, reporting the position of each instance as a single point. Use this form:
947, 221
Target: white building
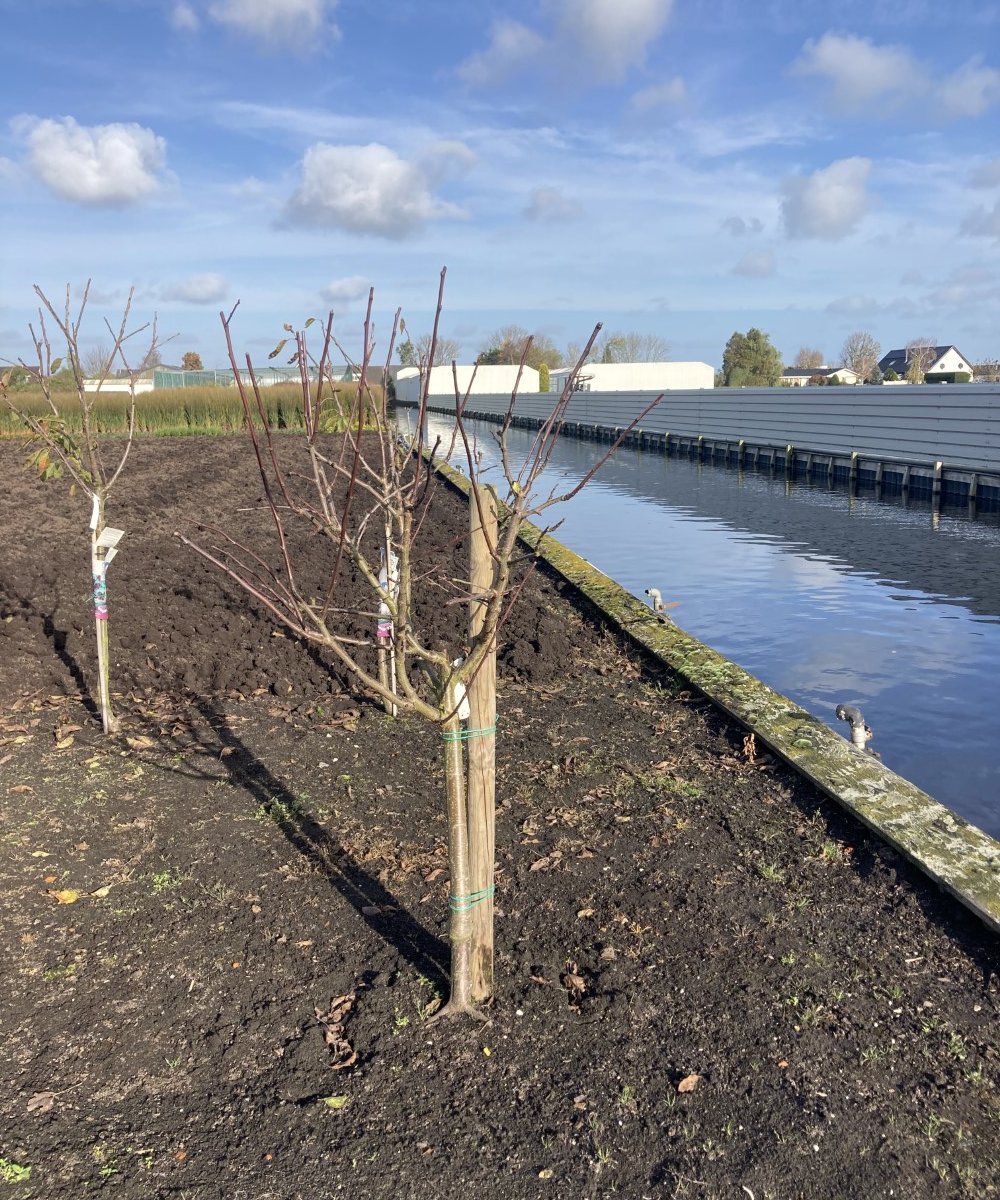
488, 381
938, 360
636, 377
800, 376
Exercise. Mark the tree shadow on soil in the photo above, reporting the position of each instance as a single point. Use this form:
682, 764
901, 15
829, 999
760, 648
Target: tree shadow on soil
58, 639
425, 952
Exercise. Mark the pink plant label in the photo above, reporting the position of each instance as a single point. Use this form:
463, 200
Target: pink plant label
100, 597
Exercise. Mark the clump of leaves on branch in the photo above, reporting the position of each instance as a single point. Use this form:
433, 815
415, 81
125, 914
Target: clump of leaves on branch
369, 494
63, 437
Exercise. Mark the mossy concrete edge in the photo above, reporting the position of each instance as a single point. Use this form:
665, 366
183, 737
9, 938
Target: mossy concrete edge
958, 856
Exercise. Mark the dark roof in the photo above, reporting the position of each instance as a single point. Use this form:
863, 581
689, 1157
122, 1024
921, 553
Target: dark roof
899, 360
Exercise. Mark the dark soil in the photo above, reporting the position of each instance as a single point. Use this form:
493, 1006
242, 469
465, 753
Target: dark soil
260, 844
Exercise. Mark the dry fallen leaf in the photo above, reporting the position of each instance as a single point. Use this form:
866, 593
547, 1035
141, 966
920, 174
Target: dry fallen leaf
42, 1102
64, 743
19, 789
584, 912
688, 1083
334, 1102
64, 896
140, 742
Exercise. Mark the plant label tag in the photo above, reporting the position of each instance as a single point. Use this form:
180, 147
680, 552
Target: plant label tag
109, 539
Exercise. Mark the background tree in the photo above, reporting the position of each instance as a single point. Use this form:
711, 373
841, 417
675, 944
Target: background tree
861, 353
98, 361
506, 347
192, 361
369, 498
418, 353
808, 358
987, 371
69, 441
920, 353
750, 360
631, 347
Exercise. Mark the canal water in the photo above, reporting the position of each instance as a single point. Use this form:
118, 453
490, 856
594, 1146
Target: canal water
828, 599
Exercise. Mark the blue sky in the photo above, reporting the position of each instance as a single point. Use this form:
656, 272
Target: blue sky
678, 167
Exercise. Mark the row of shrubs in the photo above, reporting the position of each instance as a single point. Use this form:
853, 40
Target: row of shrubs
174, 412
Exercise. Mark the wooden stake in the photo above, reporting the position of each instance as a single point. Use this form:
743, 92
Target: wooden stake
98, 569
481, 790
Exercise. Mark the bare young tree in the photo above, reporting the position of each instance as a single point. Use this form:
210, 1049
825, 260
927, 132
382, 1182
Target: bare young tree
920, 353
808, 358
861, 353
69, 440
369, 497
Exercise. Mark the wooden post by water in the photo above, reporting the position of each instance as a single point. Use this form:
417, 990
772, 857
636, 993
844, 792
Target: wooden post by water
481, 790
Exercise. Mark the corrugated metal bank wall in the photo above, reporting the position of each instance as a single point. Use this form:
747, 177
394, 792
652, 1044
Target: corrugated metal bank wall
954, 423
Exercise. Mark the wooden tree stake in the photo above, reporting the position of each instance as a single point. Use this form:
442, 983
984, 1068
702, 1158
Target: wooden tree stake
481, 790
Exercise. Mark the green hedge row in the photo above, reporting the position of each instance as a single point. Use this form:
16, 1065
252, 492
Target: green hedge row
178, 411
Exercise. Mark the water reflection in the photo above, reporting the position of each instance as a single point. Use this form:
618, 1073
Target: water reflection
828, 599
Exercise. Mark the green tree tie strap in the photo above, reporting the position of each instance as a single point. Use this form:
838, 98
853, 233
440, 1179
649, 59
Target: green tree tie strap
464, 735
464, 903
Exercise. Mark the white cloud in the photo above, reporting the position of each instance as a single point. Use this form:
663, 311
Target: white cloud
853, 306
757, 264
829, 203
99, 164
365, 189
444, 159
613, 34
861, 72
970, 91
987, 174
602, 39
282, 22
739, 227
345, 291
550, 204
983, 222
877, 80
208, 288
660, 95
513, 47
184, 18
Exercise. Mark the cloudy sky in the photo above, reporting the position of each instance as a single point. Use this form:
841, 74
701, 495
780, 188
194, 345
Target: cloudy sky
679, 167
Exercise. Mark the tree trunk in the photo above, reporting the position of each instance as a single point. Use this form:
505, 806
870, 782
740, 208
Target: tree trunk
481, 791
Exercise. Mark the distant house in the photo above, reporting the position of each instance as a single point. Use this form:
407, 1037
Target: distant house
946, 360
636, 377
800, 376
